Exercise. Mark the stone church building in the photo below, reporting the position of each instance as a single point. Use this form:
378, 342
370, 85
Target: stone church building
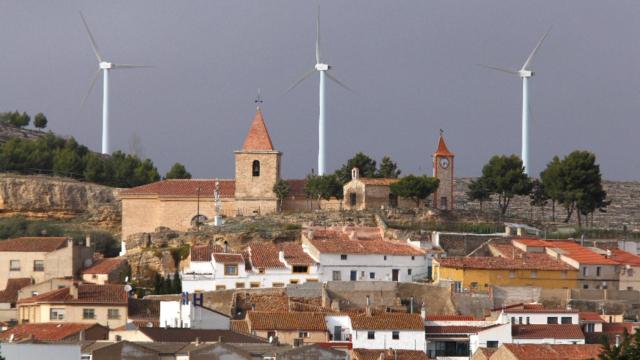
179, 204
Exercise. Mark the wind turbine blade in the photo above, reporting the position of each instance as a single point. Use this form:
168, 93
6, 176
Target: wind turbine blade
93, 83
302, 78
507, 70
535, 49
338, 81
130, 66
93, 41
318, 36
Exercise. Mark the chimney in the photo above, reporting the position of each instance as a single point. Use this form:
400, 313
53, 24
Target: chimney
352, 235
411, 306
220, 339
73, 291
281, 256
368, 306
70, 242
310, 234
81, 335
87, 240
423, 312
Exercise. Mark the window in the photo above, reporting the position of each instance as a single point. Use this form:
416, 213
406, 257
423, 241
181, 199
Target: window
371, 335
312, 280
294, 281
585, 286
520, 320
474, 285
255, 168
277, 284
56, 314
336, 276
221, 287
512, 274
393, 200
372, 275
534, 274
343, 257
113, 314
94, 276
34, 293
598, 270
565, 320
552, 320
300, 269
513, 320
584, 271
14, 265
261, 271
271, 334
240, 285
231, 269
38, 265
395, 335
409, 271
385, 257
591, 327
303, 334
88, 313
255, 285
492, 343
528, 320
86, 356
413, 258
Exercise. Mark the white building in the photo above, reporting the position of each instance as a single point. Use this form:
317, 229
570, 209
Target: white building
530, 314
190, 313
399, 331
363, 254
261, 265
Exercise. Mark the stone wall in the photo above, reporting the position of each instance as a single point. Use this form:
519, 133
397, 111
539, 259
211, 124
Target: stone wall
624, 208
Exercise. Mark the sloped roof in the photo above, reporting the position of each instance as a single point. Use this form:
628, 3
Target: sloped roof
336, 241
572, 250
34, 244
87, 294
240, 326
378, 182
454, 329
258, 137
437, 317
228, 258
365, 354
501, 263
625, 258
266, 255
388, 321
10, 293
540, 311
554, 352
442, 149
105, 266
590, 316
184, 188
203, 252
287, 321
44, 331
546, 331
189, 335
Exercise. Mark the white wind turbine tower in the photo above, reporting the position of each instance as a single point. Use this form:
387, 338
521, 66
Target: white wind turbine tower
525, 73
323, 69
104, 66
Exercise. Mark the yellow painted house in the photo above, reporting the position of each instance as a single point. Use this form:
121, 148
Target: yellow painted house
511, 267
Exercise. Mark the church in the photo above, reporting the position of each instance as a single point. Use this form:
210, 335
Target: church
180, 204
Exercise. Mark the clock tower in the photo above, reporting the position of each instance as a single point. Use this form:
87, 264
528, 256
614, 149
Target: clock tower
443, 170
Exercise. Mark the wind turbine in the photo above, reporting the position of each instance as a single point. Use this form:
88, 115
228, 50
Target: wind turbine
104, 66
323, 69
525, 73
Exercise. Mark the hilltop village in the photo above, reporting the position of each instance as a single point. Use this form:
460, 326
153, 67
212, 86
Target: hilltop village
233, 269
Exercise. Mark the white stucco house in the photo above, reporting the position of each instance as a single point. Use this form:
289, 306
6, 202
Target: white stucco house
190, 313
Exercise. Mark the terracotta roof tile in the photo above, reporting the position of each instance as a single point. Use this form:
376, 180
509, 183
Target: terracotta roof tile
625, 258
10, 293
450, 318
590, 316
190, 335
203, 252
365, 241
87, 294
619, 328
554, 352
184, 188
289, 321
105, 266
540, 311
487, 351
294, 254
240, 326
572, 250
228, 258
442, 149
528, 262
34, 244
388, 321
545, 331
44, 331
365, 354
263, 302
453, 329
258, 137
264, 255
378, 182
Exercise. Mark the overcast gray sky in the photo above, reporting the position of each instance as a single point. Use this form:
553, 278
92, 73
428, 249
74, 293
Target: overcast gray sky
411, 62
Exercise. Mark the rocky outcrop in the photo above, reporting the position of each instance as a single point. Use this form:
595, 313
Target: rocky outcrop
8, 132
58, 198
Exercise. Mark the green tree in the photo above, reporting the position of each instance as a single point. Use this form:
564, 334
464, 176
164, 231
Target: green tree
67, 162
177, 283
538, 196
505, 177
94, 168
157, 283
388, 169
322, 187
281, 189
15, 118
479, 191
417, 188
364, 163
40, 121
552, 181
178, 171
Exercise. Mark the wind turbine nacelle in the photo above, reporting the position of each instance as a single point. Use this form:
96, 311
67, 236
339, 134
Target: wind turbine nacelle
525, 73
106, 65
322, 67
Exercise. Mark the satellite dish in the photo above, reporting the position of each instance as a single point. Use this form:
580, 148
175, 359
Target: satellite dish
128, 288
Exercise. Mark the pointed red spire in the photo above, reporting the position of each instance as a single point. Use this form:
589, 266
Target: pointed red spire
442, 148
258, 137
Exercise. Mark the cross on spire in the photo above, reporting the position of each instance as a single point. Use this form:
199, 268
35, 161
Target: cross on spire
441, 132
258, 99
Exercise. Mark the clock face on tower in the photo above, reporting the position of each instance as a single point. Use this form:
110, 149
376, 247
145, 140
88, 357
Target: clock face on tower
444, 163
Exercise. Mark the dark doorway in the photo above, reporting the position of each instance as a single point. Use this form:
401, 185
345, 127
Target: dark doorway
352, 199
354, 275
393, 200
394, 274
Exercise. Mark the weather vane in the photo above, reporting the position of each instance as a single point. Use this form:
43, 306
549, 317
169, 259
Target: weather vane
441, 132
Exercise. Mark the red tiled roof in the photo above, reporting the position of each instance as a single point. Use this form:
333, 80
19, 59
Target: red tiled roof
240, 326
554, 352
203, 252
369, 241
189, 335
388, 321
365, 354
258, 137
450, 318
44, 331
288, 321
454, 329
34, 244
228, 258
442, 149
540, 311
105, 266
184, 188
580, 253
378, 182
532, 242
10, 293
487, 351
87, 294
590, 316
528, 262
545, 331
265, 255
294, 255
625, 258
619, 328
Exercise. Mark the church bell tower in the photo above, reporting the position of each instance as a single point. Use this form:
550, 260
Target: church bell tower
443, 170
